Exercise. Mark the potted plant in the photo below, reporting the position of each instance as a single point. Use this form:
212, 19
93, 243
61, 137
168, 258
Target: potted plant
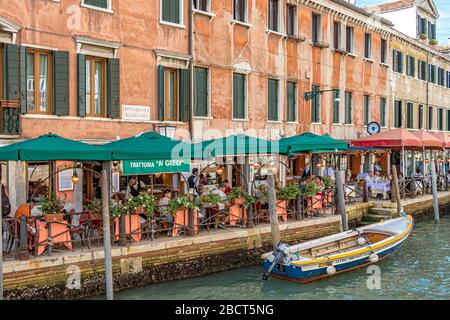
51, 208
117, 209
289, 192
94, 208
211, 199
180, 204
423, 36
239, 196
143, 204
433, 42
310, 190
328, 182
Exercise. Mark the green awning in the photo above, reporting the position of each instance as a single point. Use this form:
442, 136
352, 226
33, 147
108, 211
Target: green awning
234, 145
310, 142
51, 147
149, 146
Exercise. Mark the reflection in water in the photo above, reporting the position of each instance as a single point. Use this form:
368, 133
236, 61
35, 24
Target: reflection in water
419, 270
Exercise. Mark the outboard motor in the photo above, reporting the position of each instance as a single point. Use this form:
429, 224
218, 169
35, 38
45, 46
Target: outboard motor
279, 254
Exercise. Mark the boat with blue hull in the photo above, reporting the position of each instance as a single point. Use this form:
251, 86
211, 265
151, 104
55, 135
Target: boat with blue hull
328, 256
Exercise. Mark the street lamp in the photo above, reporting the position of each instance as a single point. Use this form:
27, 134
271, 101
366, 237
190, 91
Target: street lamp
313, 94
165, 130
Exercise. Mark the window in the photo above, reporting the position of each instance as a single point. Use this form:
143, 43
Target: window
398, 61
448, 79
383, 112
409, 115
239, 96
411, 66
336, 103
202, 5
240, 10
104, 4
422, 70
348, 107
398, 114
367, 45
420, 116
315, 105
273, 100
432, 77
274, 15
337, 34
448, 119
291, 20
201, 97
441, 77
349, 39
172, 11
421, 25
95, 86
291, 101
383, 51
316, 28
171, 94
38, 73
430, 118
431, 31
440, 119
366, 110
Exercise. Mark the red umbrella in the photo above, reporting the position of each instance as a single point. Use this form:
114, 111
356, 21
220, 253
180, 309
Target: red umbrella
428, 140
444, 138
395, 138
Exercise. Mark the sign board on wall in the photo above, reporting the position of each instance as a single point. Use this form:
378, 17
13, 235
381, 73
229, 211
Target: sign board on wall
135, 113
141, 167
65, 180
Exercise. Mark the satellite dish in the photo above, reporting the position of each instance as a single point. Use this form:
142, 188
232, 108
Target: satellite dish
373, 128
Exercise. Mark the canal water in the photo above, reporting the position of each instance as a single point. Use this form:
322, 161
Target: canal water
419, 270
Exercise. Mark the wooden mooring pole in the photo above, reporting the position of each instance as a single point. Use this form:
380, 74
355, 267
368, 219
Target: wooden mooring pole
341, 198
435, 192
396, 190
107, 237
273, 216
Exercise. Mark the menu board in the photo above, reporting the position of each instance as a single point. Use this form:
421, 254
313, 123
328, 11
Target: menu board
65, 180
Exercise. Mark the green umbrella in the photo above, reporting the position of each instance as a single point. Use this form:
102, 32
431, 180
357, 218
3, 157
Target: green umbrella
51, 147
148, 146
234, 145
310, 142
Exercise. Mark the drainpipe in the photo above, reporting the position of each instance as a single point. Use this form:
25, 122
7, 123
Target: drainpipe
428, 89
191, 67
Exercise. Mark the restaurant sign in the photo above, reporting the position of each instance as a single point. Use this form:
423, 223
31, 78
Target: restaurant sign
140, 167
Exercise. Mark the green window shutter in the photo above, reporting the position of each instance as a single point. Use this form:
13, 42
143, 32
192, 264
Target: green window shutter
161, 93
273, 100
175, 11
238, 96
81, 74
61, 83
184, 96
113, 88
97, 3
290, 101
201, 92
23, 80
11, 72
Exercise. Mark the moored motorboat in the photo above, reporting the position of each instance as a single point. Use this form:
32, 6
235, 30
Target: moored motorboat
337, 253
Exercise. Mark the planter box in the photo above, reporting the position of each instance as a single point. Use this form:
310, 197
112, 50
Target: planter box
57, 217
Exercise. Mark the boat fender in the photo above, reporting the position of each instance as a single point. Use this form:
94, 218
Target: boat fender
374, 258
361, 241
331, 270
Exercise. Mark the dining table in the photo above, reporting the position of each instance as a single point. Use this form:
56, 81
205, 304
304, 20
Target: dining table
59, 234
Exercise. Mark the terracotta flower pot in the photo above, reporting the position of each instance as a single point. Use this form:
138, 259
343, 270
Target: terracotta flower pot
238, 201
140, 210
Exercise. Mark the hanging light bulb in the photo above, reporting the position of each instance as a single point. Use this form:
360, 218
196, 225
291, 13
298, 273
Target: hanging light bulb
75, 178
219, 171
426, 161
319, 165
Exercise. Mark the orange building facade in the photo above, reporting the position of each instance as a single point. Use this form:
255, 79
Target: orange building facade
100, 70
